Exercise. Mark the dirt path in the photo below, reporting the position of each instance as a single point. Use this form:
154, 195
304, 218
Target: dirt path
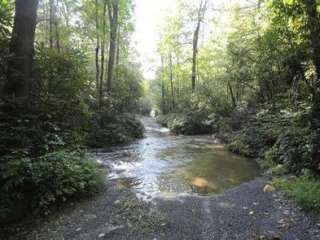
245, 212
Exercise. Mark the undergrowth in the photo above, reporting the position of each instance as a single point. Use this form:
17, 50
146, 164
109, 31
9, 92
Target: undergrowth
304, 189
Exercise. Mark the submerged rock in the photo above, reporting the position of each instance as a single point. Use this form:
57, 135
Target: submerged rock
269, 188
199, 182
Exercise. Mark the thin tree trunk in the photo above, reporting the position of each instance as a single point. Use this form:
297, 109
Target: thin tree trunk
162, 88
171, 81
118, 53
102, 52
201, 13
97, 50
56, 25
194, 56
314, 35
22, 49
234, 102
113, 15
51, 22
118, 48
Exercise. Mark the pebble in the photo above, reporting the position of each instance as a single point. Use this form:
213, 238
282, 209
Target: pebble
101, 235
78, 229
268, 188
286, 212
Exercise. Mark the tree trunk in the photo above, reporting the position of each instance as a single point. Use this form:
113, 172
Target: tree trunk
118, 48
314, 37
56, 25
51, 22
102, 53
171, 82
201, 13
97, 50
22, 49
54, 35
113, 15
163, 110
234, 102
194, 56
118, 53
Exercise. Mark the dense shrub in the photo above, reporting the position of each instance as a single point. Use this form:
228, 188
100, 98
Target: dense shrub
37, 128
37, 183
39, 160
293, 148
109, 128
259, 133
305, 190
127, 91
189, 124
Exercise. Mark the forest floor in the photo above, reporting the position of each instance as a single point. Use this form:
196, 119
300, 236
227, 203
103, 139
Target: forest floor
245, 212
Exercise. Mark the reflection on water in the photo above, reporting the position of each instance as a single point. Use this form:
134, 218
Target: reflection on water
166, 165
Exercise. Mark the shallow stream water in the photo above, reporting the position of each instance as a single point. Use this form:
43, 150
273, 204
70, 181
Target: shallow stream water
164, 165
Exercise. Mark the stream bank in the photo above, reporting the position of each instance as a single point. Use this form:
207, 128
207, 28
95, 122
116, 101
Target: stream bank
240, 211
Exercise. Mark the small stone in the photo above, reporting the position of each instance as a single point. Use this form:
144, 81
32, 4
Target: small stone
117, 202
286, 212
268, 188
78, 229
251, 213
101, 235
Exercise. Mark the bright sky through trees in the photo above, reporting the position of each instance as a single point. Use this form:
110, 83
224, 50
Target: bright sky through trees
150, 16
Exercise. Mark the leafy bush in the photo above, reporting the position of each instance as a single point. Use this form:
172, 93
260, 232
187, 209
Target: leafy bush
305, 190
128, 89
42, 128
109, 128
37, 183
190, 124
62, 75
293, 148
259, 133
56, 114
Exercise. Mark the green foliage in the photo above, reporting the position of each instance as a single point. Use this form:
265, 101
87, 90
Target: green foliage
293, 148
305, 190
109, 128
40, 127
127, 90
42, 134
189, 124
38, 183
6, 8
259, 134
61, 75
5, 24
